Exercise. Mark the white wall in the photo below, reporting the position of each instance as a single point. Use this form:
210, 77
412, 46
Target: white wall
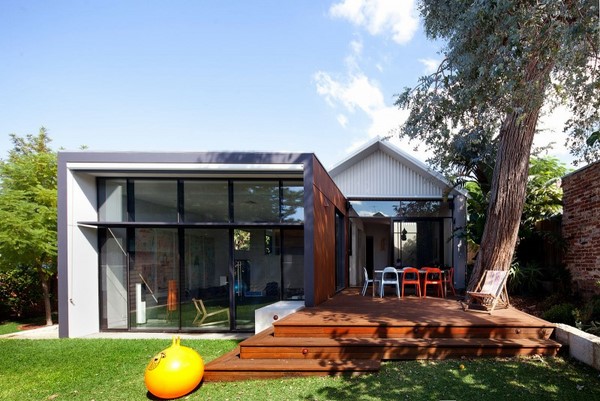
82, 256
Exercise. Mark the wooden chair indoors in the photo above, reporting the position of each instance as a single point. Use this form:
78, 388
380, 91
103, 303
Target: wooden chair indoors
203, 314
490, 292
410, 276
433, 277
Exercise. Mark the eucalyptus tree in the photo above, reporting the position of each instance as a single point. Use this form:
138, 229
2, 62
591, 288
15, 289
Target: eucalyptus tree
28, 205
505, 60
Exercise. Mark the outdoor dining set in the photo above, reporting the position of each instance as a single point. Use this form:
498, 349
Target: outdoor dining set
419, 280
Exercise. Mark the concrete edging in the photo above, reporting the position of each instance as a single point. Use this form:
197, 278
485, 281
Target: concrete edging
584, 347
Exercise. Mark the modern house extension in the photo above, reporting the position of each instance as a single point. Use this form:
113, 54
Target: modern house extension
197, 241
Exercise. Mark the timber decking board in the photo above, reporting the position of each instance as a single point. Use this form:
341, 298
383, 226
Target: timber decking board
229, 368
352, 334
350, 309
368, 348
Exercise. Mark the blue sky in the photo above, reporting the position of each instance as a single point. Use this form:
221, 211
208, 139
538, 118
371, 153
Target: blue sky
305, 76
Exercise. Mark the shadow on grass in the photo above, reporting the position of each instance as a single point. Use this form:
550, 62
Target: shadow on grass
479, 379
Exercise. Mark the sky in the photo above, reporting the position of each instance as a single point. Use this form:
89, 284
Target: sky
281, 75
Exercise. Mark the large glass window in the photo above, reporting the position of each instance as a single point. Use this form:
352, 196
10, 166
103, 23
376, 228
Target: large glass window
154, 279
256, 201
206, 201
292, 202
113, 200
155, 200
196, 274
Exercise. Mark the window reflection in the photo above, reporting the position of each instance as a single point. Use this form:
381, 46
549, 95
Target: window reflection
155, 200
402, 208
256, 201
206, 201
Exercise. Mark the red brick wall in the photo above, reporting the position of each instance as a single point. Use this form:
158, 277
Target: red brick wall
581, 228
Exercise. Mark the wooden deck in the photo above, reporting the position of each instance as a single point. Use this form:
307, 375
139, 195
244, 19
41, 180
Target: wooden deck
352, 334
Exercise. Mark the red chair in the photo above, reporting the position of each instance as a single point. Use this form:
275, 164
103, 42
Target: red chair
410, 276
449, 281
433, 277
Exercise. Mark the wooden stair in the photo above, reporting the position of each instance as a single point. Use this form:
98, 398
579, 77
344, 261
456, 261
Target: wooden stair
334, 339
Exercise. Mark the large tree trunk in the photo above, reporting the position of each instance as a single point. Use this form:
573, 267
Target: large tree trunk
509, 183
507, 195
45, 282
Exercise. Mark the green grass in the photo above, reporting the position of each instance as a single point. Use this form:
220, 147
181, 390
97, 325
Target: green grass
107, 369
9, 327
12, 326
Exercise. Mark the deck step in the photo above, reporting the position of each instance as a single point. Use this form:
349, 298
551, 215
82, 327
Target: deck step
267, 346
414, 331
351, 334
230, 367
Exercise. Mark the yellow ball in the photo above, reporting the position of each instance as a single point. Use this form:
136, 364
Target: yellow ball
174, 372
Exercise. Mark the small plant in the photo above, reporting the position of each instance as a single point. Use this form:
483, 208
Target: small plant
561, 313
524, 278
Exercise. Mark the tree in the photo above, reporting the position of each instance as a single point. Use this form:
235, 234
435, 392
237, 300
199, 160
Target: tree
544, 193
543, 198
504, 60
28, 208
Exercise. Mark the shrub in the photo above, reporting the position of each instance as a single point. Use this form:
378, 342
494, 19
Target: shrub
561, 313
524, 279
591, 310
20, 293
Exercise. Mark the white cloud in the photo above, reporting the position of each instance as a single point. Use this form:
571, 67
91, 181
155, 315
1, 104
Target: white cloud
355, 92
343, 120
380, 17
431, 65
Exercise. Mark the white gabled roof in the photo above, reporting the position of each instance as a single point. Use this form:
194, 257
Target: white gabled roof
380, 169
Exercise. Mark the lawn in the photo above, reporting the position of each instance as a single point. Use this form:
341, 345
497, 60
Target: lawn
107, 369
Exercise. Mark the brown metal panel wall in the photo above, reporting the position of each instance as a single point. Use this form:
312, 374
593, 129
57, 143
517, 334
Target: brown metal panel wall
327, 198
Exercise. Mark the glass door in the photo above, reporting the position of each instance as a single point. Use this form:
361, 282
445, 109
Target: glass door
113, 276
257, 272
418, 243
154, 279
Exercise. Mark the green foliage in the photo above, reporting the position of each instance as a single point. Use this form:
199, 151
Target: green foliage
111, 369
28, 209
561, 313
543, 198
28, 201
544, 193
500, 58
524, 279
477, 207
588, 316
20, 293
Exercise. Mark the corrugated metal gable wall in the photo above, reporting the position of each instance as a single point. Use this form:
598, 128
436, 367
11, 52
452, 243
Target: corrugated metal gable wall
379, 174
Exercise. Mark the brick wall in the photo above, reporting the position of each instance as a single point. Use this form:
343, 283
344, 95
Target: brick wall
581, 228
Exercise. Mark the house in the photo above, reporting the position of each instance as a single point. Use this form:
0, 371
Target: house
401, 212
153, 241
581, 228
